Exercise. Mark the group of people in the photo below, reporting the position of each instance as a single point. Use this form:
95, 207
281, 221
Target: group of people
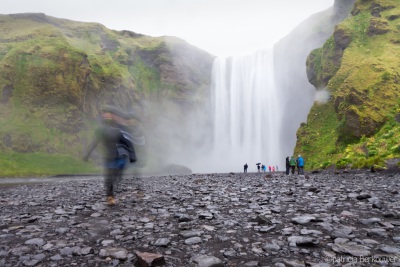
292, 163
262, 168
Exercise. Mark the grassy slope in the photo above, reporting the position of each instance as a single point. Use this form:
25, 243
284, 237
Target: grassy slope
60, 72
357, 127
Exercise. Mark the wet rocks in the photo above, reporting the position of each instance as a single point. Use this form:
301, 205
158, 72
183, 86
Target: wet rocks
146, 259
302, 241
207, 261
353, 250
203, 220
114, 253
303, 219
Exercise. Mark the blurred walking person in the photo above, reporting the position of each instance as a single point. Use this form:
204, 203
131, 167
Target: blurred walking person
117, 145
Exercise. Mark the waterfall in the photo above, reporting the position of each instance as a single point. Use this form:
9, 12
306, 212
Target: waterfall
247, 114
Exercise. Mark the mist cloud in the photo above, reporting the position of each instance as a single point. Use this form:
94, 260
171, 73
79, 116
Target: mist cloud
322, 96
223, 27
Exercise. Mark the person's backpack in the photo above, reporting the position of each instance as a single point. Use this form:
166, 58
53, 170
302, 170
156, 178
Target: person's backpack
125, 147
292, 162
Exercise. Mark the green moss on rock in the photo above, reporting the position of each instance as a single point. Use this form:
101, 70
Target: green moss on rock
55, 74
364, 85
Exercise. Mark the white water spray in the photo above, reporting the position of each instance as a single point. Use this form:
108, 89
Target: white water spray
247, 112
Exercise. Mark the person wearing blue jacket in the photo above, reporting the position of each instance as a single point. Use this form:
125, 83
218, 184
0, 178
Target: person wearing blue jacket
300, 165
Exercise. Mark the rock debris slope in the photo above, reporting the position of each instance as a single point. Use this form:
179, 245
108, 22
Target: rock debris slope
322, 219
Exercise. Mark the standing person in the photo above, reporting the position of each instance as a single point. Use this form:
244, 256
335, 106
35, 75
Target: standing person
292, 163
287, 166
269, 168
258, 167
300, 165
117, 148
245, 167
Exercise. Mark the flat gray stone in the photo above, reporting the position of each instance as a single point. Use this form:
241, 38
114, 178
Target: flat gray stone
190, 233
303, 219
353, 250
390, 249
271, 247
162, 242
193, 240
35, 241
377, 232
114, 253
207, 261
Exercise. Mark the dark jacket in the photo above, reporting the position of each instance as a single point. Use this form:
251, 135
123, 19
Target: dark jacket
116, 143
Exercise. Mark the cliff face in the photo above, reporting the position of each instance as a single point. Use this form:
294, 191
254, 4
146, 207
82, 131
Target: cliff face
290, 55
359, 67
55, 74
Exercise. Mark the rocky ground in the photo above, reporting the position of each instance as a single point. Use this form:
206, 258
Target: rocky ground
206, 220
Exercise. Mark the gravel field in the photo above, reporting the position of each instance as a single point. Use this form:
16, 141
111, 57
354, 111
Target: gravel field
204, 220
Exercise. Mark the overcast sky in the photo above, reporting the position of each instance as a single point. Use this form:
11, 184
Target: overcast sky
221, 27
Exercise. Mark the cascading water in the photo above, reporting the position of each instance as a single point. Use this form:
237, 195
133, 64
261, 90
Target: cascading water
247, 113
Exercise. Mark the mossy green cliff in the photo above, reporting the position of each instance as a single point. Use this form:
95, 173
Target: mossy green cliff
360, 69
290, 55
55, 75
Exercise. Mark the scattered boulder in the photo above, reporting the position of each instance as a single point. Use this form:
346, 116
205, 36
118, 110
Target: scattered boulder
207, 261
378, 26
342, 37
146, 259
241, 220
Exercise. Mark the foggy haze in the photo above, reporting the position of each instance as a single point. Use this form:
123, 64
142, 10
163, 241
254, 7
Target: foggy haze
274, 133
222, 27
252, 126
